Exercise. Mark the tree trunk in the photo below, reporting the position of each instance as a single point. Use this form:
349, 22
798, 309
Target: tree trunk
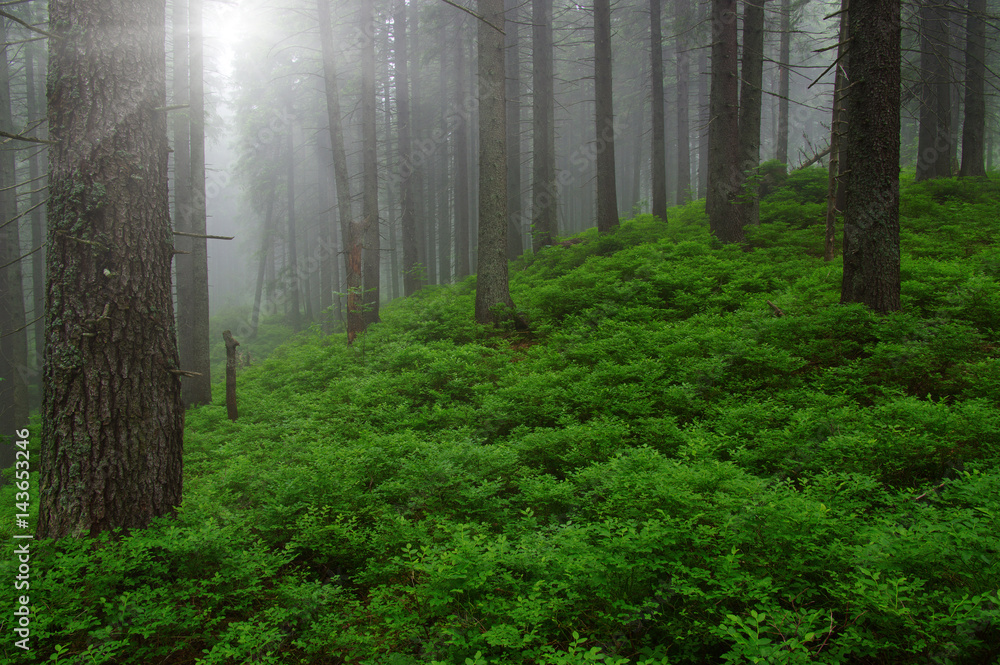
37, 165
871, 218
515, 245
784, 56
749, 117
350, 236
683, 105
838, 128
974, 132
13, 336
493, 301
231, 345
607, 191
112, 416
934, 142
198, 389
544, 195
295, 316
463, 266
659, 147
411, 278
372, 234
704, 116
183, 204
724, 177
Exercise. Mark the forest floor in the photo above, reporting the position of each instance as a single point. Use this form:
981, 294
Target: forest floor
663, 470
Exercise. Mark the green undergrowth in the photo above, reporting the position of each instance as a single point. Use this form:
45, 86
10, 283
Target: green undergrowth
663, 470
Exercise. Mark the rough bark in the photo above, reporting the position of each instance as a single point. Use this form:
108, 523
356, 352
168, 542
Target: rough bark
544, 195
659, 146
372, 230
112, 416
871, 218
784, 55
512, 63
838, 129
974, 130
607, 191
493, 301
683, 105
934, 143
724, 176
752, 82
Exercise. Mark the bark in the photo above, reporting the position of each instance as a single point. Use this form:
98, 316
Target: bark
974, 131
659, 147
934, 143
112, 416
750, 102
784, 56
463, 266
838, 128
411, 278
871, 218
607, 191
349, 233
13, 336
512, 55
724, 176
683, 105
198, 389
291, 244
231, 345
493, 301
372, 231
544, 195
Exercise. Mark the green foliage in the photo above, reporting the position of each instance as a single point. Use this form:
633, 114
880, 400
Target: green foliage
661, 471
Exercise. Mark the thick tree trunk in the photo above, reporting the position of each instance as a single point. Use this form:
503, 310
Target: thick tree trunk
934, 146
974, 132
198, 389
512, 61
784, 56
13, 336
751, 93
112, 416
607, 191
683, 105
724, 176
871, 218
838, 129
493, 301
351, 240
372, 232
544, 195
463, 267
659, 146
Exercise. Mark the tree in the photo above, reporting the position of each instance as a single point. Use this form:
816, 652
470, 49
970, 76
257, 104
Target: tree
463, 266
871, 217
724, 177
194, 314
408, 222
13, 338
974, 130
934, 140
752, 77
659, 149
112, 416
544, 195
291, 244
372, 236
493, 301
607, 191
838, 128
512, 55
683, 104
784, 55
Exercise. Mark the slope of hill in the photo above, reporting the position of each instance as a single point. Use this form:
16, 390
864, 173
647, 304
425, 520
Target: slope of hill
695, 456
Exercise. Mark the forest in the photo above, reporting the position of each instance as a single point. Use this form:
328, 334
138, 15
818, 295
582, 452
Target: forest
391, 332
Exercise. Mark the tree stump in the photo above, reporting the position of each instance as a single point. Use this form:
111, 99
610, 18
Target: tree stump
231, 345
